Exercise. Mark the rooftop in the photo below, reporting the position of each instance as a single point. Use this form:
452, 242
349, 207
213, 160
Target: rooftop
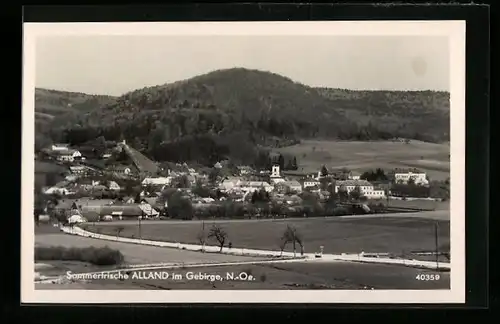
407, 170
65, 152
353, 183
291, 183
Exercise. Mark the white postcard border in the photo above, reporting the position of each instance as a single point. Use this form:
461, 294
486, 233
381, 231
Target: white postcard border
454, 30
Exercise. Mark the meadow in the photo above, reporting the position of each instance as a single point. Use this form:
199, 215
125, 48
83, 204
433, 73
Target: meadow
395, 235
426, 204
297, 275
362, 156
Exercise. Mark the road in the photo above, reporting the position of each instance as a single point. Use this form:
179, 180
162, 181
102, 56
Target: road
135, 253
436, 215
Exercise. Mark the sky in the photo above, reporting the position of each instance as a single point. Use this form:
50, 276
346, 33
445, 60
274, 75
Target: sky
114, 65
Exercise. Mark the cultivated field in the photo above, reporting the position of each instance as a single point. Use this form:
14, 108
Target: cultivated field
397, 235
362, 156
308, 275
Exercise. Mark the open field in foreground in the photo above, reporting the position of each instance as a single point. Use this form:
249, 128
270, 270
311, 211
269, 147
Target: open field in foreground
137, 254
307, 275
362, 156
397, 235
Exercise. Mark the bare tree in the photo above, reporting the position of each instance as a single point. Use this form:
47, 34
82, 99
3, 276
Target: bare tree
283, 243
219, 234
291, 235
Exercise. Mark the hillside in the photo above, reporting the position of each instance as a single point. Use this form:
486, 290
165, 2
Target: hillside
424, 112
234, 111
54, 102
50, 104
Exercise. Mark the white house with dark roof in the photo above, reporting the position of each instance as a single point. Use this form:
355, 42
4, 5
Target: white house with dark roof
366, 188
68, 155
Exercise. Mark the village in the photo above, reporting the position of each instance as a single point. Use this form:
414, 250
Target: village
132, 186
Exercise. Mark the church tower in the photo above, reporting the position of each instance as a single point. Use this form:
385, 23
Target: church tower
275, 172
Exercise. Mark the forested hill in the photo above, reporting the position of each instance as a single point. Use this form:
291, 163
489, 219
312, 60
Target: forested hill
233, 111
423, 115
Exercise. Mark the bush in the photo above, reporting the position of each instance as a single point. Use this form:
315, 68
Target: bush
97, 256
340, 211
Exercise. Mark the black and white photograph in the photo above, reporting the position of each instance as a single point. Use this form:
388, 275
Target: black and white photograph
244, 162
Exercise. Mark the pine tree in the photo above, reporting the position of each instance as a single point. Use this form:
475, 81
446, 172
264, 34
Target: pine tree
294, 163
324, 171
281, 162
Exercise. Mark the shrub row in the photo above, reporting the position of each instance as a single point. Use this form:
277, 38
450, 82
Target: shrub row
98, 256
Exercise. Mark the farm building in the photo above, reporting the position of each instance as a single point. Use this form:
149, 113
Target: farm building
366, 188
122, 210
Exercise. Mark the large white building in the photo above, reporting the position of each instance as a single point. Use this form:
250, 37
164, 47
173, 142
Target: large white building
419, 178
310, 183
237, 185
365, 187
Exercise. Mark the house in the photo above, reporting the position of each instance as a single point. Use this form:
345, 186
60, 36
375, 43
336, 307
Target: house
128, 200
156, 181
366, 188
59, 147
121, 169
229, 183
60, 188
255, 185
106, 155
122, 211
353, 175
148, 209
340, 174
68, 155
294, 185
404, 176
244, 169
112, 185
285, 186
309, 183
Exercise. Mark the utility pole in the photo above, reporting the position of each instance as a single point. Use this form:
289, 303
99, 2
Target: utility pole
203, 233
436, 242
140, 230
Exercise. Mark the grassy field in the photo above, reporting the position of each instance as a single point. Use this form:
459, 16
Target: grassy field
395, 235
135, 253
418, 203
362, 156
336, 275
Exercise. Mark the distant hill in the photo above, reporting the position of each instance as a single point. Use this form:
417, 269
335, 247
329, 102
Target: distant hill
50, 104
425, 113
232, 112
53, 102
